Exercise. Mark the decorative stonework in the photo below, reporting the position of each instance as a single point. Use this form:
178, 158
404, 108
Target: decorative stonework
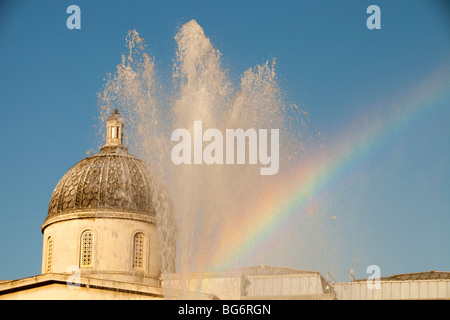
87, 248
138, 246
111, 181
49, 254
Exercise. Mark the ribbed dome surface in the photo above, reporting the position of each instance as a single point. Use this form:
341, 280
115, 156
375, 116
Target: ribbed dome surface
106, 180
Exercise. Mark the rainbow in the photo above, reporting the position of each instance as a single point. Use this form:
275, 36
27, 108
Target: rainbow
291, 200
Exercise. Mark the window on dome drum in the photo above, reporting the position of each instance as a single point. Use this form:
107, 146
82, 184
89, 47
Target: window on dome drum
87, 246
138, 249
49, 253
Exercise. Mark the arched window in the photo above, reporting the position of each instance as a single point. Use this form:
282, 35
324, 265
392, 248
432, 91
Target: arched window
49, 253
138, 250
87, 248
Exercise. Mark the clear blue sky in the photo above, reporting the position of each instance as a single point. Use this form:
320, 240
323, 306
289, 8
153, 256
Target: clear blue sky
327, 60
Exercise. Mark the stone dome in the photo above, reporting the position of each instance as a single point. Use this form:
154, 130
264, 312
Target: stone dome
111, 180
103, 216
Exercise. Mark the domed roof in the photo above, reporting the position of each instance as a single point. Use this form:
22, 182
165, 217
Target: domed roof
111, 180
